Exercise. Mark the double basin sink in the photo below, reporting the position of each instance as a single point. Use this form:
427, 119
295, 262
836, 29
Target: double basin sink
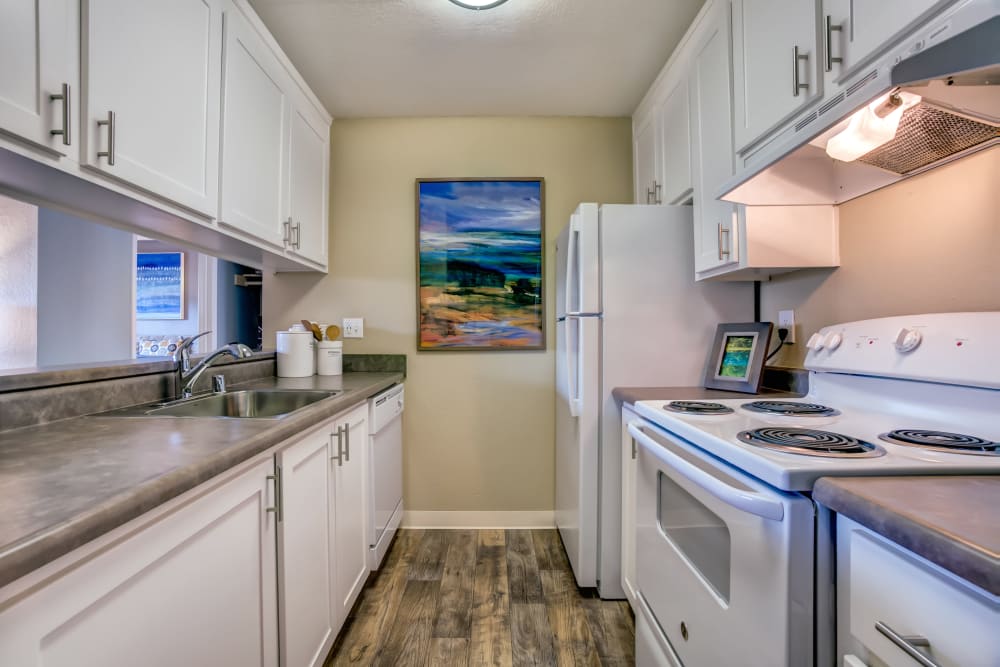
245, 404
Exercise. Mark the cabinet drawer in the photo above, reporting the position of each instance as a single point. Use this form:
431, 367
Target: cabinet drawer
890, 585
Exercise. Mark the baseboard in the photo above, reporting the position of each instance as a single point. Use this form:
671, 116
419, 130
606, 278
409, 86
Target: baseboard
474, 519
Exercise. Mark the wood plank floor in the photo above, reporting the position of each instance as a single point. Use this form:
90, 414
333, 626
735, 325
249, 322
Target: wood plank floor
482, 597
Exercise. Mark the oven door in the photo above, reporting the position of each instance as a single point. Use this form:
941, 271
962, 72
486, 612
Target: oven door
724, 561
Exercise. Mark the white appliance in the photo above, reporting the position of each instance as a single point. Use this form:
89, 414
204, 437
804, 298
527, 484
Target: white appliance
385, 472
629, 313
951, 62
729, 543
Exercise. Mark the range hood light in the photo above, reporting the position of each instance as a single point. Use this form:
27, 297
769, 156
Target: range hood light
871, 126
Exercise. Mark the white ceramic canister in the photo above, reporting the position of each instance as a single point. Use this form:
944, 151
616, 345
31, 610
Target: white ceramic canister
330, 357
296, 356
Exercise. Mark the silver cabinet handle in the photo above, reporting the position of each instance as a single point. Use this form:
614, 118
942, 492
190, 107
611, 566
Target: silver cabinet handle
339, 458
277, 508
298, 235
656, 193
64, 132
723, 247
909, 644
830, 29
110, 153
796, 57
286, 237
347, 442
649, 193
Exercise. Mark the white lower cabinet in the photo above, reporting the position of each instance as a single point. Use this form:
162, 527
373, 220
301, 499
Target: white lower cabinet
349, 513
272, 554
895, 608
305, 556
322, 544
195, 587
628, 453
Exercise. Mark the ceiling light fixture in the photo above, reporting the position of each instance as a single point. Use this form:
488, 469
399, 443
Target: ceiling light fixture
478, 4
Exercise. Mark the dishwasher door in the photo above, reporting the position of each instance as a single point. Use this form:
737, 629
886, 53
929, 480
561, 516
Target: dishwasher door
385, 455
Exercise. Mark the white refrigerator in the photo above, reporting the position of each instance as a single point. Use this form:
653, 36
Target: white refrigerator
628, 313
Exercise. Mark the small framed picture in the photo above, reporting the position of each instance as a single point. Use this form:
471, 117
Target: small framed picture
736, 358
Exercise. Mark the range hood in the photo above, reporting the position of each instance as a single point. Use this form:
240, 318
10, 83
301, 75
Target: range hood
932, 99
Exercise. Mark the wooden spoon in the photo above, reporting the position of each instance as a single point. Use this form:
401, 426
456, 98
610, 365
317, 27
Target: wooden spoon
332, 332
317, 334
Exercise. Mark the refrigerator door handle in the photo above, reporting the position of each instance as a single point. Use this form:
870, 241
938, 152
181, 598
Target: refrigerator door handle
572, 368
572, 250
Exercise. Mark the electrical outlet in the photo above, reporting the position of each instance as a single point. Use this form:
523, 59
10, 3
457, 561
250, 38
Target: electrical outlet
354, 327
786, 320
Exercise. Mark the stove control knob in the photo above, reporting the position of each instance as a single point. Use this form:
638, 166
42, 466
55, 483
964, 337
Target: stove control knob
833, 341
907, 340
815, 342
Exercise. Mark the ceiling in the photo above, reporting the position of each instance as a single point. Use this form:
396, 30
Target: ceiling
367, 58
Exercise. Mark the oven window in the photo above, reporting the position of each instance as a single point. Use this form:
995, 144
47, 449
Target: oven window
697, 532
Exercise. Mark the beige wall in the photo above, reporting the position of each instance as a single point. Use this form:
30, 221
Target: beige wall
479, 426
928, 244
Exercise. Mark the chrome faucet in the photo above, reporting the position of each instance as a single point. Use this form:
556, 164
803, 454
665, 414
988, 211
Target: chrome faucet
188, 376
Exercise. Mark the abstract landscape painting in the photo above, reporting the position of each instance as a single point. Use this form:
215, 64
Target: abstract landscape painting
159, 286
480, 264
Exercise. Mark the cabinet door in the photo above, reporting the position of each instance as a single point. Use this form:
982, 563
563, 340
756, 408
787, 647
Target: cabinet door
711, 123
151, 77
865, 28
770, 82
255, 111
39, 49
675, 146
304, 557
308, 165
195, 588
644, 150
349, 516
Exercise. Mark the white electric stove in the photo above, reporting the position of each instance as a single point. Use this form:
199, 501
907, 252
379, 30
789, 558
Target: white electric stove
728, 538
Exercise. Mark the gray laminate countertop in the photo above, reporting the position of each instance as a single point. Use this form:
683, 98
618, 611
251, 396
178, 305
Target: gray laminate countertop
629, 395
952, 521
66, 483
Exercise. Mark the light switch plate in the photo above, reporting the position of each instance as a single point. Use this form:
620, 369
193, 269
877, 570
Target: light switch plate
354, 327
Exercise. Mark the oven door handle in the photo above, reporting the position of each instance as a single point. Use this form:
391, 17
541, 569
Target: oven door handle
743, 500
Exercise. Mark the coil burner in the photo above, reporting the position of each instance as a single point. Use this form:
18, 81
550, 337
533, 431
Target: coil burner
942, 441
810, 442
697, 408
790, 409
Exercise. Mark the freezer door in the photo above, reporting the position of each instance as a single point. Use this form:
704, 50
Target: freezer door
578, 272
577, 431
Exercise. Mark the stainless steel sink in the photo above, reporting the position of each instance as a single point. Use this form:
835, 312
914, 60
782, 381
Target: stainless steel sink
247, 404
242, 404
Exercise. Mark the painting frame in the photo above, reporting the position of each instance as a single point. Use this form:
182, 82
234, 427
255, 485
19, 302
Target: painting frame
166, 301
745, 368
524, 296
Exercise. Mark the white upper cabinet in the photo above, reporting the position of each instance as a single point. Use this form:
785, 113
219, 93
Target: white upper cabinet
255, 119
776, 63
151, 73
644, 153
712, 139
39, 91
674, 146
853, 31
308, 170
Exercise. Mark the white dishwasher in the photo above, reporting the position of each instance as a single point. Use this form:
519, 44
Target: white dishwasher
385, 481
